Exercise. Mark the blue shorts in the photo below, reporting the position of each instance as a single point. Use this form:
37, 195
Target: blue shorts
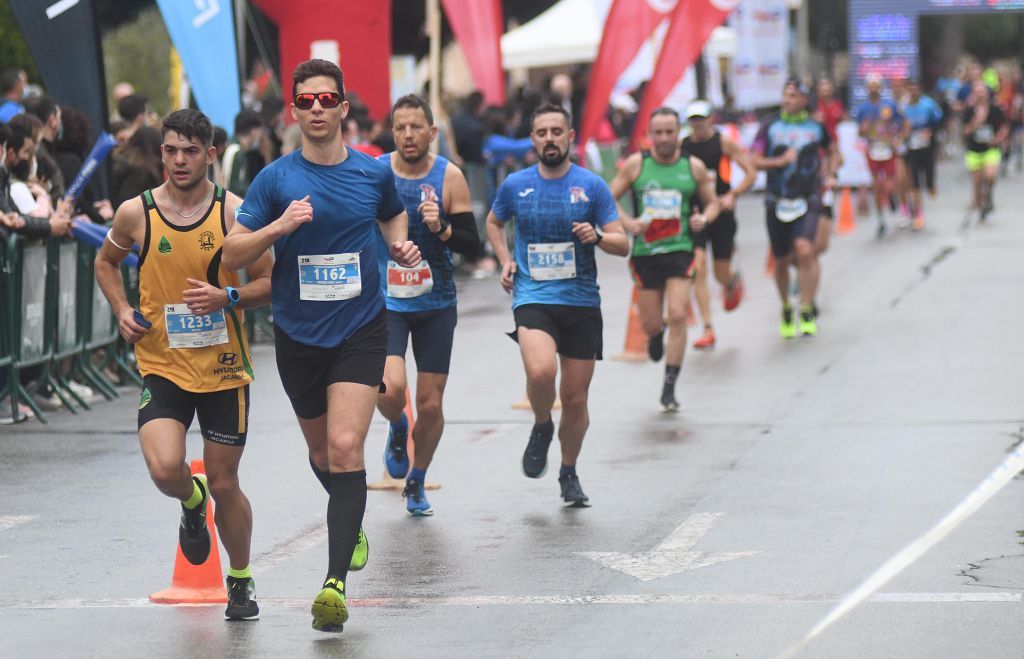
433, 333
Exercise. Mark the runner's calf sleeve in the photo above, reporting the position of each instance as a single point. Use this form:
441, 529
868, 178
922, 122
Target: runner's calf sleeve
321, 475
345, 510
464, 239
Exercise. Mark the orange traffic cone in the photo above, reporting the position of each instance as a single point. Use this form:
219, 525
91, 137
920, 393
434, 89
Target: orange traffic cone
635, 349
196, 584
846, 222
386, 482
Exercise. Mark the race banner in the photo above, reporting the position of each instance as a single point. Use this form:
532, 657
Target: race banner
203, 33
691, 26
629, 24
477, 25
762, 43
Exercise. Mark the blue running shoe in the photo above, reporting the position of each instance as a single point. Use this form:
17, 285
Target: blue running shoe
416, 504
396, 455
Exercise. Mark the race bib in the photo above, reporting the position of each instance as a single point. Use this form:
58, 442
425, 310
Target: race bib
551, 261
790, 210
920, 139
984, 133
188, 330
329, 277
409, 282
662, 205
880, 151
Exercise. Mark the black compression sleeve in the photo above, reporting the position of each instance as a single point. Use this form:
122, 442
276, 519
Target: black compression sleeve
464, 239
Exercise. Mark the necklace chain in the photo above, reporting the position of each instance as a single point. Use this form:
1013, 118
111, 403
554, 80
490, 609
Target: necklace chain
193, 213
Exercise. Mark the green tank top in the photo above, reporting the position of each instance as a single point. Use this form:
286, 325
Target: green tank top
661, 196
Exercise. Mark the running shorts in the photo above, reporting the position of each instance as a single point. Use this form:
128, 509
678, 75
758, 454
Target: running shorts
721, 233
433, 333
981, 159
651, 272
223, 415
783, 234
577, 331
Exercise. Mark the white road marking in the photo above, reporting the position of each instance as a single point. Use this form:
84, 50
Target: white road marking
673, 555
58, 8
10, 521
998, 479
542, 600
307, 539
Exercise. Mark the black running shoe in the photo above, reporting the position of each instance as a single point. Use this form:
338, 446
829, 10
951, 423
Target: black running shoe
572, 493
241, 605
668, 400
656, 346
193, 534
535, 457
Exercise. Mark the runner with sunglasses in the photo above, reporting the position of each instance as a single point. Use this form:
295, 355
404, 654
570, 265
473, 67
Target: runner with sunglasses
320, 208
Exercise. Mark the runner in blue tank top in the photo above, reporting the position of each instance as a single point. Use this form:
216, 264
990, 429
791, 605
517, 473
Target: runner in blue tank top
322, 208
421, 300
561, 212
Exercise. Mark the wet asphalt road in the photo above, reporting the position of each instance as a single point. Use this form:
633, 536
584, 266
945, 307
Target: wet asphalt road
815, 460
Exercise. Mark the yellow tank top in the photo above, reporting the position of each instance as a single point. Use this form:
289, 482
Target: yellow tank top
210, 352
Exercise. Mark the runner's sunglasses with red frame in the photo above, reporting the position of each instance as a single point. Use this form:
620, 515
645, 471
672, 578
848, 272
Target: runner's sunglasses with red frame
327, 100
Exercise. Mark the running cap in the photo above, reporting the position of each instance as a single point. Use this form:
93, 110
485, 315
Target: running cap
699, 108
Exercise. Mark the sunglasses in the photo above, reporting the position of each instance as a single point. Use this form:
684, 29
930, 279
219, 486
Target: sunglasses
327, 100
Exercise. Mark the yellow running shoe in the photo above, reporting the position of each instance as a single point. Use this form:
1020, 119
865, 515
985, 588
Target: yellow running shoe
329, 610
787, 328
808, 325
361, 553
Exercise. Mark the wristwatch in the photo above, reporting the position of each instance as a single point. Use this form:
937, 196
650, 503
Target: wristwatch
233, 296
600, 235
444, 227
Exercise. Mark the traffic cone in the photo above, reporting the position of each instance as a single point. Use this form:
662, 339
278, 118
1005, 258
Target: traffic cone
196, 584
846, 222
386, 482
635, 349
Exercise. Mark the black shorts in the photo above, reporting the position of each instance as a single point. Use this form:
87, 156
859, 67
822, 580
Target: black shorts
306, 371
223, 415
577, 331
721, 233
783, 234
921, 164
651, 272
432, 335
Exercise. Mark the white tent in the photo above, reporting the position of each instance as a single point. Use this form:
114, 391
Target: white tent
570, 33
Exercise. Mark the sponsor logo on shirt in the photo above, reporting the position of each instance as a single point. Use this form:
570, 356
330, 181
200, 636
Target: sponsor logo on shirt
578, 195
525, 192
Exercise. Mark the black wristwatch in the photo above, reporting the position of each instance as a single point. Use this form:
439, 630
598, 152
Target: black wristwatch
444, 227
600, 235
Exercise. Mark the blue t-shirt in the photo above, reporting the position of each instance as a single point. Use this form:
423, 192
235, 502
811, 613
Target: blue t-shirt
10, 109
433, 250
923, 114
884, 116
544, 211
800, 179
347, 199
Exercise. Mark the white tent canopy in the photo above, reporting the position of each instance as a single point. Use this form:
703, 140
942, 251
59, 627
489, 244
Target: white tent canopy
570, 33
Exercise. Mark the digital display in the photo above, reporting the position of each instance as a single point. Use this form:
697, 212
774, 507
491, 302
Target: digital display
886, 42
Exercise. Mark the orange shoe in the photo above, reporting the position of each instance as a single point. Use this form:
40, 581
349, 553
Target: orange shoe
706, 341
918, 223
734, 293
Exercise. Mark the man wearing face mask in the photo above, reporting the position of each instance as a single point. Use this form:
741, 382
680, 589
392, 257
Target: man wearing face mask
11, 219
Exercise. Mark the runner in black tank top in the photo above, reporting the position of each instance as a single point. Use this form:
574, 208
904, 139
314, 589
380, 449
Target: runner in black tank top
718, 153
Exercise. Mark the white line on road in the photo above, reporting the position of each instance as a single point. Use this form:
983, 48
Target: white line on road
308, 538
988, 488
10, 521
673, 555
545, 600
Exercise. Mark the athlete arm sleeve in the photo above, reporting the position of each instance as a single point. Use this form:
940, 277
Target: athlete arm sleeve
464, 239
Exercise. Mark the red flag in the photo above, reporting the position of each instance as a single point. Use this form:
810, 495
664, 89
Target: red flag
629, 24
693, 21
477, 25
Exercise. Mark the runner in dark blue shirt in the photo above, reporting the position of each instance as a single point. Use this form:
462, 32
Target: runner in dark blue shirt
320, 208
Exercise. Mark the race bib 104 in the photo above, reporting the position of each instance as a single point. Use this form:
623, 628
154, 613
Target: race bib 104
409, 282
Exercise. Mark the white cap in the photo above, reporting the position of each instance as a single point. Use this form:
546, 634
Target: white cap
701, 109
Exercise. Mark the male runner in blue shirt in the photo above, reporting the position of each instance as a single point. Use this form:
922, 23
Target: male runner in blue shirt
320, 208
561, 211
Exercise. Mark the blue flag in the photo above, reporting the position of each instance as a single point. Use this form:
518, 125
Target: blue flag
203, 33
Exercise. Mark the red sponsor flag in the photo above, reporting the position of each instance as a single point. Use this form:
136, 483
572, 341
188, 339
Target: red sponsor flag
629, 24
477, 25
693, 21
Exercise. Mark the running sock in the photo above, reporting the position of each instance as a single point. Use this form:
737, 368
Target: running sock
567, 470
196, 498
244, 573
548, 427
416, 474
671, 375
321, 475
345, 510
400, 427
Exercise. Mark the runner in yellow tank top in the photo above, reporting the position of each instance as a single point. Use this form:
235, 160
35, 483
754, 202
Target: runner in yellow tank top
189, 343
